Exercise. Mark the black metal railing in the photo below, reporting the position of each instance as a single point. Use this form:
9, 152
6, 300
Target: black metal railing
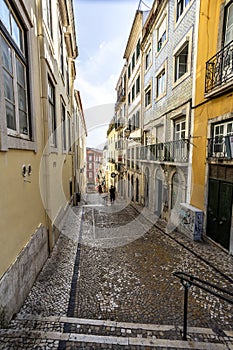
219, 68
187, 280
172, 151
220, 147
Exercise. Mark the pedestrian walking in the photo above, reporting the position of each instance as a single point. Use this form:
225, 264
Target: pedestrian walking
112, 194
100, 189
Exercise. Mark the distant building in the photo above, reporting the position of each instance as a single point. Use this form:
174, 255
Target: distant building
94, 159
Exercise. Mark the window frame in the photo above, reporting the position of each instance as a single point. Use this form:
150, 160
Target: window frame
148, 57
185, 6
186, 41
158, 94
225, 20
146, 91
64, 126
158, 49
10, 138
52, 119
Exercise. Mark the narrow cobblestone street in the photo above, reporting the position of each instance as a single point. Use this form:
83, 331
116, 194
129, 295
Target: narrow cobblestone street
109, 284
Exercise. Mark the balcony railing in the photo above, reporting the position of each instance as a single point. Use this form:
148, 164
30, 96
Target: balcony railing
219, 69
173, 151
221, 147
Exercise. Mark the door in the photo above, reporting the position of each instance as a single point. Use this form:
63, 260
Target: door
158, 196
219, 212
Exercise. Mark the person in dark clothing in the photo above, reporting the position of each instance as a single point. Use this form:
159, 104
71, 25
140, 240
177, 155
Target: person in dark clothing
112, 194
100, 189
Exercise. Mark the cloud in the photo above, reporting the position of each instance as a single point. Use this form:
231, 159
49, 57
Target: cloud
98, 75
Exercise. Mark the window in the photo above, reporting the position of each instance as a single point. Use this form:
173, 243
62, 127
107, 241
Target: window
69, 133
133, 92
48, 16
181, 61
52, 116
162, 34
138, 85
90, 166
180, 130
63, 111
180, 7
129, 98
138, 49
137, 123
161, 83
67, 78
129, 71
148, 96
229, 24
90, 175
61, 48
148, 59
90, 158
14, 66
133, 61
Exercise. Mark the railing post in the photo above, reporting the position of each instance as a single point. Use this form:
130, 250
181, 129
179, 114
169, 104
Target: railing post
186, 286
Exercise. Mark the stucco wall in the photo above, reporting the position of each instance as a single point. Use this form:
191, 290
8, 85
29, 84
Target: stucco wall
19, 278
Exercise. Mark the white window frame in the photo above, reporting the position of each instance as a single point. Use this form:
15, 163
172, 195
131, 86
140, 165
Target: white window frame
147, 89
52, 121
187, 40
148, 57
159, 36
159, 95
187, 4
10, 138
230, 28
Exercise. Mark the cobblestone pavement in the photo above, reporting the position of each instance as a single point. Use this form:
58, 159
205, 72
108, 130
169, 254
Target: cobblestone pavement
109, 284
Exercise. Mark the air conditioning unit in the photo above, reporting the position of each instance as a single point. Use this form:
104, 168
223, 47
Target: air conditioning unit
191, 221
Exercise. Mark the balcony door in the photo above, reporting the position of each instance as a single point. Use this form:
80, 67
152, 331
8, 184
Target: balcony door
228, 32
179, 145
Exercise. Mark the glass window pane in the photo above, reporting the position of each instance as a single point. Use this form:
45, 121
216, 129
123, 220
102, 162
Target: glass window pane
17, 33
8, 87
10, 116
6, 56
22, 98
23, 123
20, 72
5, 14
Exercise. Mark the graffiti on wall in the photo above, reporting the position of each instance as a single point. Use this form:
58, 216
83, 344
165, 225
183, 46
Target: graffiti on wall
191, 221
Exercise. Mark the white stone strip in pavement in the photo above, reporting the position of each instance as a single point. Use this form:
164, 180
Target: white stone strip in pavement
126, 325
71, 337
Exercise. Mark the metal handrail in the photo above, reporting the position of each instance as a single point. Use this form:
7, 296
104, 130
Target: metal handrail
187, 280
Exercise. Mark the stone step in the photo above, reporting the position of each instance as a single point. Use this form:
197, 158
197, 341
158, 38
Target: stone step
76, 332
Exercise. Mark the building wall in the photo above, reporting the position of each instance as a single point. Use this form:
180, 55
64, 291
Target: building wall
206, 49
212, 108
31, 204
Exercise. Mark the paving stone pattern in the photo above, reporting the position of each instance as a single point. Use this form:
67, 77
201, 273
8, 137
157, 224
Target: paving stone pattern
122, 293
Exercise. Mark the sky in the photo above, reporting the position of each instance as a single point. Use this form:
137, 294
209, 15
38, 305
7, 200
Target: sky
102, 30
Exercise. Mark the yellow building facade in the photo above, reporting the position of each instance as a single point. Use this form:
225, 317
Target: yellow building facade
37, 73
212, 162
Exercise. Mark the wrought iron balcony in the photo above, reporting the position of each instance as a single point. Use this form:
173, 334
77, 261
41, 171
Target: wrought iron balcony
172, 151
219, 69
220, 147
